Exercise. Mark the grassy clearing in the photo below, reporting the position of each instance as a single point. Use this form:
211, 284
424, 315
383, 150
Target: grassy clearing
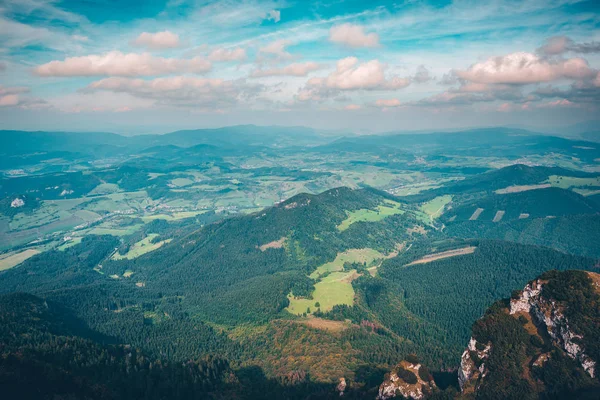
498, 216
174, 216
87, 216
444, 254
366, 255
586, 192
109, 230
181, 182
142, 247
276, 244
14, 259
105, 188
154, 175
476, 214
334, 289
567, 182
435, 207
522, 188
366, 215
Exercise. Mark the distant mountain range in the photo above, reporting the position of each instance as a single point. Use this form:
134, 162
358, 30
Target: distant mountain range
18, 148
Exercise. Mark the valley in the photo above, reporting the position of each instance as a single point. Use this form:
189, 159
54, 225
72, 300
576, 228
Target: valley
306, 263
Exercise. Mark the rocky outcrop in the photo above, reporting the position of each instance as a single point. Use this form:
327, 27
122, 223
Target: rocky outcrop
532, 332
409, 380
472, 364
16, 203
341, 387
549, 314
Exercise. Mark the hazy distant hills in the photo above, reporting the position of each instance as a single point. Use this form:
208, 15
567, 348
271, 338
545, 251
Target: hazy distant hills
22, 148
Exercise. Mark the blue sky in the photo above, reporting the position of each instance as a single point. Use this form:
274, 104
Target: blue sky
160, 65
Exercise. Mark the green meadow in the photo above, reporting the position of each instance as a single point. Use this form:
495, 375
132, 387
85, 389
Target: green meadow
367, 215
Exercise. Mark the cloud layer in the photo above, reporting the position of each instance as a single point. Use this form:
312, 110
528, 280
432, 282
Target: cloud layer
353, 36
181, 90
370, 75
121, 64
562, 44
525, 68
295, 69
223, 54
157, 41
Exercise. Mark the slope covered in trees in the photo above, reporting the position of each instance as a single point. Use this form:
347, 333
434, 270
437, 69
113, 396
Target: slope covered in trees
224, 288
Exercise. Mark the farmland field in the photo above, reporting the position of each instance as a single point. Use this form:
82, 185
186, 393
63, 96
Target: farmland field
14, 259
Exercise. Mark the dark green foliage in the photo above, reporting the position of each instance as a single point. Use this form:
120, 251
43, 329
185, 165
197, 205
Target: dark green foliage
50, 186
412, 358
510, 371
574, 234
31, 203
45, 355
576, 291
537, 203
462, 286
424, 374
563, 378
406, 375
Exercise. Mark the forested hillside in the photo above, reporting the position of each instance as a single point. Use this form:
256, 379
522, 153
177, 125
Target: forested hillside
243, 263
363, 265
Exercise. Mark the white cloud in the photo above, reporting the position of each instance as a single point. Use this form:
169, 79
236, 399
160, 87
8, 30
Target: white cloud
274, 15
557, 103
157, 41
17, 96
388, 103
524, 68
353, 36
295, 69
352, 107
351, 75
9, 100
181, 91
276, 50
121, 64
370, 75
223, 54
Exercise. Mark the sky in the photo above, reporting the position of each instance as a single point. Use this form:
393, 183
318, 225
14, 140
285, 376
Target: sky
153, 66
